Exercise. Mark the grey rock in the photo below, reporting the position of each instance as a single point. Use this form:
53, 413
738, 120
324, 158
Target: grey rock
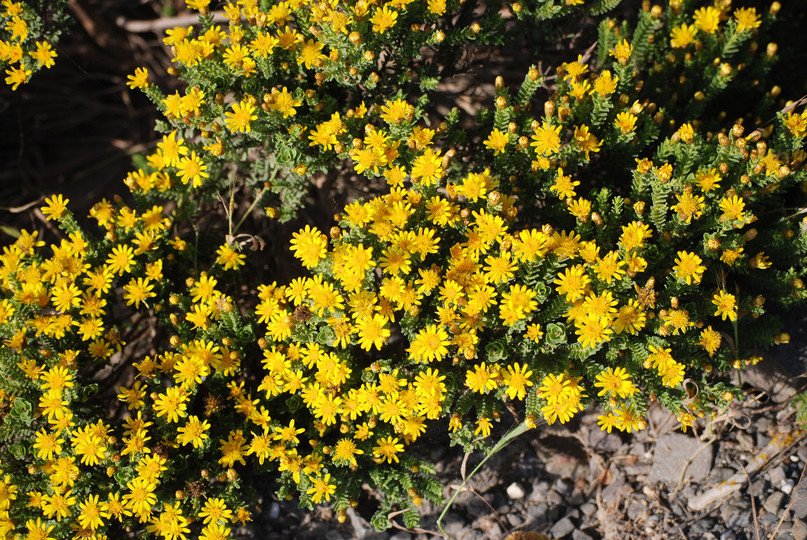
514, 518
459, 531
537, 512
672, 454
577, 534
774, 502
738, 520
799, 506
613, 491
636, 509
489, 526
802, 453
728, 535
588, 509
604, 442
762, 440
799, 530
539, 491
563, 487
720, 474
701, 527
554, 498
562, 528
768, 521
777, 475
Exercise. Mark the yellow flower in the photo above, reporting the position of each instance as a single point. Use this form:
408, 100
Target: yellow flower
321, 488
564, 186
747, 19
626, 122
430, 344
372, 332
726, 305
387, 450
707, 19
309, 246
689, 206
681, 36
191, 169
497, 141
309, 54
546, 140
615, 382
395, 112
483, 426
239, 119
732, 208
139, 79
796, 123
55, 207
383, 19
688, 267
605, 84
708, 180
138, 290
622, 51
284, 102
572, 282
517, 379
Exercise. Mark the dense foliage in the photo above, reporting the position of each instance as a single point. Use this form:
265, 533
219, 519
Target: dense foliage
615, 242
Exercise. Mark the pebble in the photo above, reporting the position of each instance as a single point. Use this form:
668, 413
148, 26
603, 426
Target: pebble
799, 506
728, 535
515, 491
787, 486
580, 535
562, 528
636, 509
553, 498
777, 475
774, 502
588, 509
799, 530
563, 487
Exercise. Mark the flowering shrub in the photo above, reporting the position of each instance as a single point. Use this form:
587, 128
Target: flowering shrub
27, 34
614, 246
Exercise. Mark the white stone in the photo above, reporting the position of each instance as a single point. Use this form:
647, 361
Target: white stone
514, 491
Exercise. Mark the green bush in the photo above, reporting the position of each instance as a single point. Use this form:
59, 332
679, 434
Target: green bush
595, 235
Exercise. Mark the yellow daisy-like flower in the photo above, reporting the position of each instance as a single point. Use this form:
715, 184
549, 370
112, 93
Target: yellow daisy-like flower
497, 141
564, 186
430, 344
682, 36
55, 207
239, 119
383, 19
747, 19
732, 208
546, 140
707, 19
688, 267
726, 305
615, 382
309, 246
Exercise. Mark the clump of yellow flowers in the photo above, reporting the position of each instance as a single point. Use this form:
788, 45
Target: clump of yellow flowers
28, 31
609, 244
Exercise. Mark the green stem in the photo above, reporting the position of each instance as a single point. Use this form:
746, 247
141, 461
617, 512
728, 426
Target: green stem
253, 205
504, 441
